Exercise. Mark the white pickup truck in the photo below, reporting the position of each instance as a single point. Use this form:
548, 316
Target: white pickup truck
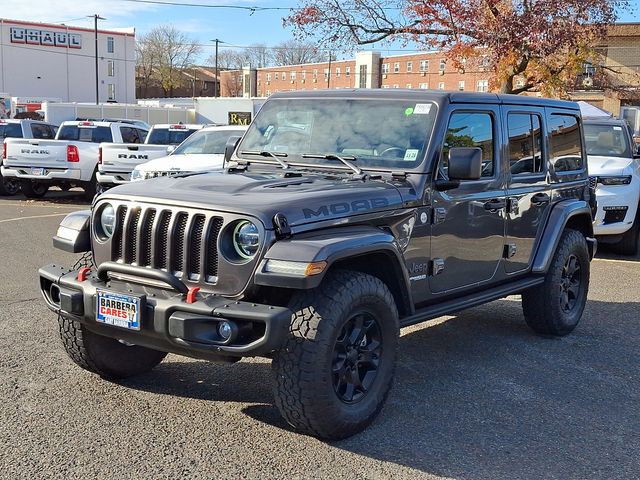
68, 161
14, 128
117, 160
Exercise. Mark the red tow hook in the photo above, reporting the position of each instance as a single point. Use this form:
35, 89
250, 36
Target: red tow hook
192, 294
83, 273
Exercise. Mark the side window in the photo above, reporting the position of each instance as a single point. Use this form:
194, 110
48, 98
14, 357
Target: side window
566, 143
469, 129
525, 152
142, 134
129, 135
40, 131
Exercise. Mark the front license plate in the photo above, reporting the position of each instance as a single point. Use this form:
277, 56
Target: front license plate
37, 171
119, 310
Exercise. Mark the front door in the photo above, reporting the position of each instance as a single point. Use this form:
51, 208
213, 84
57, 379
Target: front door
467, 236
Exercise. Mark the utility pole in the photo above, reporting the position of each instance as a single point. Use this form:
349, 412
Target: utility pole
96, 17
329, 73
216, 88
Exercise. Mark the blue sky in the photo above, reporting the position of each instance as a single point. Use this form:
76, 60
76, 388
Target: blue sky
234, 26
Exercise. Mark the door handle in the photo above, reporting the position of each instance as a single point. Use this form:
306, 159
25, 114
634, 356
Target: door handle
495, 204
540, 199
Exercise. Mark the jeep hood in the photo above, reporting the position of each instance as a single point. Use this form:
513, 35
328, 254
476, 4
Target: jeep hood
601, 165
302, 199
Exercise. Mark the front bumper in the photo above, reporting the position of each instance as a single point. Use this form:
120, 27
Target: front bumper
49, 175
168, 322
113, 178
617, 206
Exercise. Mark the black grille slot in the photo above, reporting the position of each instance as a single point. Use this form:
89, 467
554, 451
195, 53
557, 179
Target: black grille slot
211, 249
593, 182
132, 237
177, 255
118, 233
163, 238
146, 238
195, 246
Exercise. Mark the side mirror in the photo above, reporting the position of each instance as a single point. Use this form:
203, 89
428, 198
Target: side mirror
170, 149
636, 153
230, 147
465, 163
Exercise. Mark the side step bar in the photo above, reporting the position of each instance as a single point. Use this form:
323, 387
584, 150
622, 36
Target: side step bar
470, 300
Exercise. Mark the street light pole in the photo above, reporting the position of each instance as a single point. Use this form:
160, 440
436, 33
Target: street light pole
216, 88
96, 17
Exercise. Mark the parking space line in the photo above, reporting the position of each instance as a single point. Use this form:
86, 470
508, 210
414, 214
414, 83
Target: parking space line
615, 260
39, 205
16, 219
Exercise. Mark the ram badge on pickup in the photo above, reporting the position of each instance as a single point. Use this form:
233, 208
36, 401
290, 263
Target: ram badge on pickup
117, 160
70, 160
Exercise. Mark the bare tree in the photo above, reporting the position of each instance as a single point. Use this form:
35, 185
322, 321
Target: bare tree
167, 53
293, 52
258, 55
228, 59
147, 61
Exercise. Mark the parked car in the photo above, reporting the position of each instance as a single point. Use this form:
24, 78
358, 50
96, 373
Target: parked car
117, 160
69, 160
203, 151
16, 128
314, 256
614, 169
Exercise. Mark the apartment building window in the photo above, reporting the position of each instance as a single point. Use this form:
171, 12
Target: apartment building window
268, 77
441, 86
315, 74
110, 45
396, 67
326, 73
276, 76
292, 75
443, 63
424, 65
395, 85
461, 85
111, 70
303, 75
385, 68
111, 91
424, 86
385, 86
484, 62
409, 67
347, 71
408, 85
483, 86
337, 72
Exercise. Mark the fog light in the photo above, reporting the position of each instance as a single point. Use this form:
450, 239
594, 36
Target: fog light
225, 329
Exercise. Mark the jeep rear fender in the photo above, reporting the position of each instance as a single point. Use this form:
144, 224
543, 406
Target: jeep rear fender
574, 214
366, 249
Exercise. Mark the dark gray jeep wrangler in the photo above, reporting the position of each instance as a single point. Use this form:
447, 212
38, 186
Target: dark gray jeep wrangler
342, 216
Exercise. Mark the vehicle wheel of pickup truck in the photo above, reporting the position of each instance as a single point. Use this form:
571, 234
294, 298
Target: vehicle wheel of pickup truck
335, 371
91, 188
33, 189
555, 307
107, 357
9, 186
630, 242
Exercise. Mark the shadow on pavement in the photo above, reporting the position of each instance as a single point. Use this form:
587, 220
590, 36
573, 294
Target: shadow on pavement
479, 397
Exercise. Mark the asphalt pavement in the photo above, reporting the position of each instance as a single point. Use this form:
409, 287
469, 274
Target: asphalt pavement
477, 395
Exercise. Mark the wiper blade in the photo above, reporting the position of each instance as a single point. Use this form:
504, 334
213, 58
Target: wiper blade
333, 156
274, 155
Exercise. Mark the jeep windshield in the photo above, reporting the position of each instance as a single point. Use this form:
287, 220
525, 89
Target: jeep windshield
606, 140
206, 142
378, 134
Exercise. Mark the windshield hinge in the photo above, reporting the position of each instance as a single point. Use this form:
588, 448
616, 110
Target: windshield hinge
281, 224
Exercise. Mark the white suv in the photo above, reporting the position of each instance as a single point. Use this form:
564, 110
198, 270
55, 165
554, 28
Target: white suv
614, 169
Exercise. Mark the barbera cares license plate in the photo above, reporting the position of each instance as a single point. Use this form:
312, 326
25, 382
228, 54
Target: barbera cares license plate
118, 310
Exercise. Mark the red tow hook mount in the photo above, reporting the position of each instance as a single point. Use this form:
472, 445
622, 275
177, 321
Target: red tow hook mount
192, 294
83, 273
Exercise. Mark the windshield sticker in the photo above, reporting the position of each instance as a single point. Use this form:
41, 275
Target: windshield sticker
617, 128
411, 154
408, 111
422, 108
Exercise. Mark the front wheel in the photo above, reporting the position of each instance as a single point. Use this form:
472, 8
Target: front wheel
33, 189
630, 242
555, 307
334, 373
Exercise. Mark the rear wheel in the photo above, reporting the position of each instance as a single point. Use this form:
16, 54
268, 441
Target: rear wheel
91, 188
9, 186
555, 307
33, 189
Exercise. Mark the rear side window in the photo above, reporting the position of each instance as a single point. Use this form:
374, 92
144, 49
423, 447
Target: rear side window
164, 136
10, 130
85, 134
525, 152
129, 135
565, 142
41, 131
469, 129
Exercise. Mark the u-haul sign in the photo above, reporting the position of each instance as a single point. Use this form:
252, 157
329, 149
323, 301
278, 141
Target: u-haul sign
47, 38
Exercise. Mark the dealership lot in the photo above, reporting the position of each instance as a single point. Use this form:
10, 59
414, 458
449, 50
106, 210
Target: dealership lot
477, 396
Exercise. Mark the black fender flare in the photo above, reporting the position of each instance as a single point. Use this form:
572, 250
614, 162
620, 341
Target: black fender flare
561, 214
73, 234
331, 246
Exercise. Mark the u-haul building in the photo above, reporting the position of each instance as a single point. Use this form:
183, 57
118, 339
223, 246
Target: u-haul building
52, 60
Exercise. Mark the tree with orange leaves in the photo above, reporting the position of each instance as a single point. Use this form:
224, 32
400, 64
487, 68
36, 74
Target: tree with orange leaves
543, 43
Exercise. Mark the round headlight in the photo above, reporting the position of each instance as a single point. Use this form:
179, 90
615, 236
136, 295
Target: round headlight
107, 220
246, 239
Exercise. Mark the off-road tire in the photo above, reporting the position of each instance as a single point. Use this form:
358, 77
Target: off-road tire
32, 189
86, 260
629, 244
304, 387
543, 304
105, 356
9, 186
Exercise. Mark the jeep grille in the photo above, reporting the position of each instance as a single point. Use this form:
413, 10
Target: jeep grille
183, 243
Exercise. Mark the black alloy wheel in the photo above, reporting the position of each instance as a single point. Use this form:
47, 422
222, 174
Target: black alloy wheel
570, 284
